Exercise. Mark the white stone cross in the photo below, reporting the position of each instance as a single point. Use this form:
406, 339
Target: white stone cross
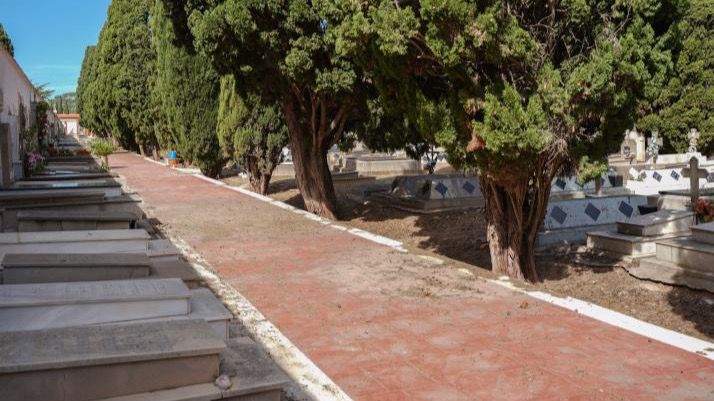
694, 173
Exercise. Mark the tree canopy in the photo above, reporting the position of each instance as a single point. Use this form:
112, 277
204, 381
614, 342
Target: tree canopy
686, 100
529, 87
279, 50
187, 90
5, 41
119, 71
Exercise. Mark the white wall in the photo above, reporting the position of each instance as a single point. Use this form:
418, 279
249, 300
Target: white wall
16, 89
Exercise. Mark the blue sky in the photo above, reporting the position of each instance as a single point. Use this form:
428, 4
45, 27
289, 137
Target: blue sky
50, 36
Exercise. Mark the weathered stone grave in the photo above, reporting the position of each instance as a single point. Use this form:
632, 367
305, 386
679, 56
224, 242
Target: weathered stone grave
162, 250
204, 306
92, 363
432, 193
128, 203
98, 241
16, 199
254, 377
569, 221
54, 176
51, 220
637, 236
52, 305
109, 187
687, 261
57, 267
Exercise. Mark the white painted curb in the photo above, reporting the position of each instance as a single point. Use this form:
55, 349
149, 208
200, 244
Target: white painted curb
670, 337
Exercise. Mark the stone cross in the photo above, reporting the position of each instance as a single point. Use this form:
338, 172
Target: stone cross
694, 173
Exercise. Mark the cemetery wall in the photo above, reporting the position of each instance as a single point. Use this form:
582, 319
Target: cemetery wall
17, 99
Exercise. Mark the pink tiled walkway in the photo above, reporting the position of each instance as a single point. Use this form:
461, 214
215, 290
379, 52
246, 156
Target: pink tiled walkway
391, 326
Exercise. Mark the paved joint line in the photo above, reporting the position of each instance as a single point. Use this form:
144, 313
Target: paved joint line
608, 316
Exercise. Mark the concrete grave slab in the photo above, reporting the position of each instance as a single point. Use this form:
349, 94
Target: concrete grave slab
667, 272
175, 269
57, 267
108, 189
163, 250
204, 306
128, 203
91, 363
657, 223
623, 244
17, 199
686, 252
54, 176
254, 377
704, 233
53, 220
92, 241
53, 305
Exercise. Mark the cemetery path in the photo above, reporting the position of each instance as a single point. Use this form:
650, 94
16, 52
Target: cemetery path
387, 325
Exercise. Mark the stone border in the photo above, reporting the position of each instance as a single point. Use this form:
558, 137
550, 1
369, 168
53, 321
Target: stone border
608, 316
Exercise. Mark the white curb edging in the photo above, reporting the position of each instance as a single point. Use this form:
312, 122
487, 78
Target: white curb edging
611, 317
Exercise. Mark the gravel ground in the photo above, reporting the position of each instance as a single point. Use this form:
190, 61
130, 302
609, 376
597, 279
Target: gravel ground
459, 236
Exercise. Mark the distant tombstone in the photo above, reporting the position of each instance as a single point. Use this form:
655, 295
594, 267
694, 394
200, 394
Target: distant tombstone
693, 137
694, 173
653, 147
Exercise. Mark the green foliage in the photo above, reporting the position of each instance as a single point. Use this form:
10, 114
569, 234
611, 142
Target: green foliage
101, 147
6, 42
252, 133
283, 52
116, 78
65, 103
44, 92
686, 99
590, 170
185, 99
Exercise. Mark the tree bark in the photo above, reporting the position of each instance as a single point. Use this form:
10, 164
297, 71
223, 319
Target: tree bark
313, 178
313, 127
514, 213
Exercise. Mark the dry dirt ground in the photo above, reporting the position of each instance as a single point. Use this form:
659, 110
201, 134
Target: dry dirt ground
459, 236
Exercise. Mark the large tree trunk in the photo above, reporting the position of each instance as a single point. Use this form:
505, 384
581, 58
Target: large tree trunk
315, 123
313, 178
514, 213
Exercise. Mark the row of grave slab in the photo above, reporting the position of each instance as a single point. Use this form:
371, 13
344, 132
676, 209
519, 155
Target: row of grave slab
96, 305
666, 246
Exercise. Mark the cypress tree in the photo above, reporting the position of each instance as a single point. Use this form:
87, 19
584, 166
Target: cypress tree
252, 133
187, 90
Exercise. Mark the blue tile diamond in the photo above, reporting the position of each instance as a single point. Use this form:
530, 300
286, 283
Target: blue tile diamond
560, 184
675, 175
657, 176
441, 188
469, 187
558, 214
626, 209
592, 211
643, 175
